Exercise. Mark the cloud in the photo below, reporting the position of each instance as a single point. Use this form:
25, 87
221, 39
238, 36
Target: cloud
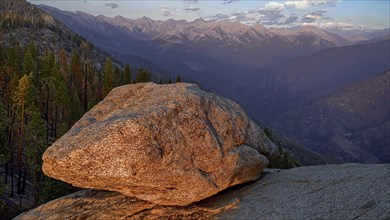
274, 6
191, 9
274, 13
219, 17
166, 12
293, 18
112, 5
269, 15
334, 26
314, 16
303, 4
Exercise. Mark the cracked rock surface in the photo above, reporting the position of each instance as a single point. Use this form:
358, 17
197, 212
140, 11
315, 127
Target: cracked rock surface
169, 144
348, 191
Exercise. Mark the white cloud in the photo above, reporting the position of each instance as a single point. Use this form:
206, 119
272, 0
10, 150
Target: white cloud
111, 5
275, 13
274, 6
314, 16
336, 26
310, 3
166, 12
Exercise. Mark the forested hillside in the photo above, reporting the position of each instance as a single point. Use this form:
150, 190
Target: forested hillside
49, 77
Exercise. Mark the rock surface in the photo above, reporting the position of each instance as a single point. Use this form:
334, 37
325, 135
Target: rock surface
168, 144
95, 204
348, 191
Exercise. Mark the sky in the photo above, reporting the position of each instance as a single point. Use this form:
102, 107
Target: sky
337, 14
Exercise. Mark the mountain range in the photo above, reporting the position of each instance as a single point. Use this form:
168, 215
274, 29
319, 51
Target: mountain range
293, 80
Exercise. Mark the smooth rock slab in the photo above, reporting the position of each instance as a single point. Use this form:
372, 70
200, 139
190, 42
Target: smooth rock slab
349, 191
169, 144
106, 205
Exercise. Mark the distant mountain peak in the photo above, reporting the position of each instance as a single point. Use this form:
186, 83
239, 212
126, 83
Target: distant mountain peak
199, 20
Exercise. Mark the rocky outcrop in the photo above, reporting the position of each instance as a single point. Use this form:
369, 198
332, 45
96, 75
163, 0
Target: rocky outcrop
348, 191
168, 144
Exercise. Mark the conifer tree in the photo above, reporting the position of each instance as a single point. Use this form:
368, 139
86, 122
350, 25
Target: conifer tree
143, 75
63, 62
108, 77
178, 79
24, 99
117, 76
4, 149
75, 110
76, 73
28, 62
36, 145
87, 75
127, 75
60, 102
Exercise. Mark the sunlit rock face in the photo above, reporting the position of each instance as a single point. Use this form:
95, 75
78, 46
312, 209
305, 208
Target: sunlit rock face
169, 144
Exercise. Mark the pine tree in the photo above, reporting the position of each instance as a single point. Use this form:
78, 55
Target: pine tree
117, 76
178, 79
169, 80
24, 99
108, 77
28, 62
87, 75
76, 73
63, 61
36, 145
127, 75
75, 110
61, 103
50, 73
143, 75
4, 150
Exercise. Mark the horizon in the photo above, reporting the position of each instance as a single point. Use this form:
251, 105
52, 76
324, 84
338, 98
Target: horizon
333, 15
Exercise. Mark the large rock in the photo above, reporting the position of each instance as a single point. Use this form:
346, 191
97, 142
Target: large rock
168, 144
349, 191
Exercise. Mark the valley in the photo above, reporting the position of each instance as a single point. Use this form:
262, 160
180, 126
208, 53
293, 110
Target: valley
277, 73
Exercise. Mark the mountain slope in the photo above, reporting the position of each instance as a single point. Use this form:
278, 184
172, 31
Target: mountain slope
335, 66
22, 23
351, 124
250, 46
